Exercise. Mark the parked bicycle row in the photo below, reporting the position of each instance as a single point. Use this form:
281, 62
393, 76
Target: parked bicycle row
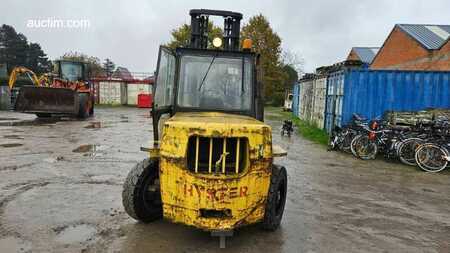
426, 144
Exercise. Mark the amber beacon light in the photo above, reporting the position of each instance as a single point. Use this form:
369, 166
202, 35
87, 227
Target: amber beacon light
247, 44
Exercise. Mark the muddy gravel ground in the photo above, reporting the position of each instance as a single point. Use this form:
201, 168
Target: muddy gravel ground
61, 183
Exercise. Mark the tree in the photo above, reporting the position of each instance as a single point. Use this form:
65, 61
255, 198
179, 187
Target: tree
291, 76
94, 64
37, 60
267, 43
181, 36
294, 60
16, 51
109, 67
292, 67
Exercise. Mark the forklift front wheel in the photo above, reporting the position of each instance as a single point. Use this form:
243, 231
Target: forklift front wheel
141, 195
276, 199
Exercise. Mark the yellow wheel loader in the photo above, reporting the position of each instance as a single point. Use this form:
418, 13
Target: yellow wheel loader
65, 92
211, 164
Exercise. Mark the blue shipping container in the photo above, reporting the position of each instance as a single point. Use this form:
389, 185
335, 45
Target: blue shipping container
373, 92
295, 99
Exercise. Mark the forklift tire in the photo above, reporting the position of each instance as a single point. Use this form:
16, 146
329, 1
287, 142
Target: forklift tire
139, 201
83, 111
276, 199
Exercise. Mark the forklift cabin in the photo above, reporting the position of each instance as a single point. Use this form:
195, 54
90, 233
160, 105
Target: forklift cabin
197, 79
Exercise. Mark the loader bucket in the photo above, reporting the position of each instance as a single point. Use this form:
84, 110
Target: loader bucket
33, 99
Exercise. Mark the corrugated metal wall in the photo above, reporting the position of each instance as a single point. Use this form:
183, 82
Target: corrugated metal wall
5, 97
117, 92
110, 92
373, 92
312, 100
134, 89
3, 71
295, 99
334, 100
306, 99
318, 105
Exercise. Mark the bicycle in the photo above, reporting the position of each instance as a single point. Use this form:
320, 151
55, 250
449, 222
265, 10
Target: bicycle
341, 138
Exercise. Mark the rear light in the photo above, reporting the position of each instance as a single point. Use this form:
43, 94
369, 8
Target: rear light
372, 135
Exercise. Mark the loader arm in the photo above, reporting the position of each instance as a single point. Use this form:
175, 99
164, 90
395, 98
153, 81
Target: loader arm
22, 70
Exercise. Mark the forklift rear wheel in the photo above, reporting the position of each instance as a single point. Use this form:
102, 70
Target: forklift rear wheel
141, 195
276, 198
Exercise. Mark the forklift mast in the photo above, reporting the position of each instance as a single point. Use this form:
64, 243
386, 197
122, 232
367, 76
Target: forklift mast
199, 28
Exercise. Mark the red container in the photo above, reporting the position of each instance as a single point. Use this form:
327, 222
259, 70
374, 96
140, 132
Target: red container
144, 100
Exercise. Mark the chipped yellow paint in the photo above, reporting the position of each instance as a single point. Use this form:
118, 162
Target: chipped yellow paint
184, 192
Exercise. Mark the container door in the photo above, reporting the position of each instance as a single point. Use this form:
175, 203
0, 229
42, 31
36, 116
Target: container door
295, 100
123, 93
335, 92
319, 102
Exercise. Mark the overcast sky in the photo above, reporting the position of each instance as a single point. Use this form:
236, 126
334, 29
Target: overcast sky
129, 32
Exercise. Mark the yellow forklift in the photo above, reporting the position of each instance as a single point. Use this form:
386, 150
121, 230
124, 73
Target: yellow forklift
211, 164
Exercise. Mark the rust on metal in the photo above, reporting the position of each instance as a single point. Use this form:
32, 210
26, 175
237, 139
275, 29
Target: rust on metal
243, 192
34, 99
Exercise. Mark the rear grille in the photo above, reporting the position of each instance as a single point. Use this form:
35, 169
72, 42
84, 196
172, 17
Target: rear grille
217, 155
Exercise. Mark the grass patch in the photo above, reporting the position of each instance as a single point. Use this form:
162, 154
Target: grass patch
310, 131
307, 130
276, 113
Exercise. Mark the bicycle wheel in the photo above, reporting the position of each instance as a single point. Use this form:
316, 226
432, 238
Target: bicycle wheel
406, 151
364, 148
346, 141
353, 143
431, 157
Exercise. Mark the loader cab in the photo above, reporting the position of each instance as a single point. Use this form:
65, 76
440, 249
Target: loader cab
71, 70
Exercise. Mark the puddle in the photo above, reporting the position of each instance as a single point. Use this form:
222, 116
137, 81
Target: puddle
15, 167
95, 125
53, 159
333, 165
84, 148
35, 122
13, 244
77, 233
9, 118
13, 136
147, 116
90, 149
124, 119
10, 145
